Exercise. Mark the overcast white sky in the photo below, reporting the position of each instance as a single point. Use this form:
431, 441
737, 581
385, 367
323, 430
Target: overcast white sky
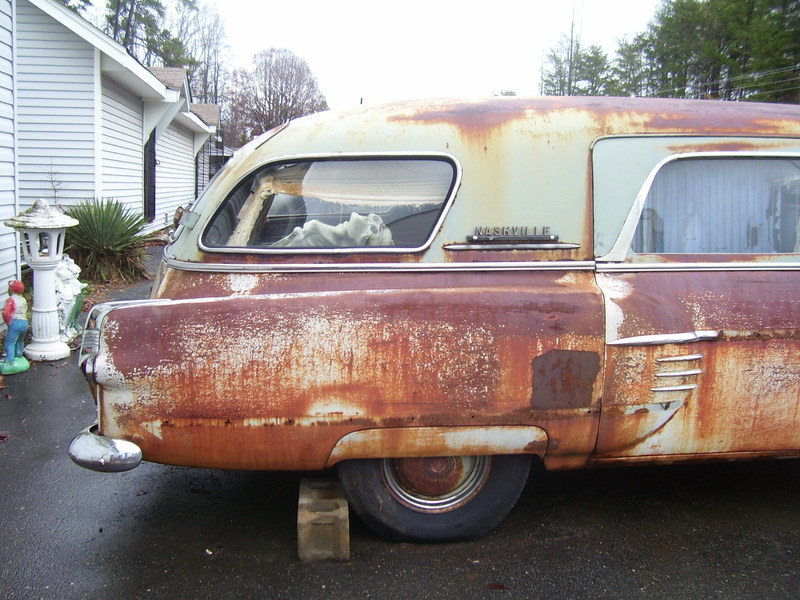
380, 51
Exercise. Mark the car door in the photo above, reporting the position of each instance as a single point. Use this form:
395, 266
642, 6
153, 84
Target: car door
702, 295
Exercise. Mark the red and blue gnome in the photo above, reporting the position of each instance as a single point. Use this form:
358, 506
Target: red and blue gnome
15, 314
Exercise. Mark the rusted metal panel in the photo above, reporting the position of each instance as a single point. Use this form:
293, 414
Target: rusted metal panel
564, 379
273, 380
652, 115
297, 361
737, 391
440, 441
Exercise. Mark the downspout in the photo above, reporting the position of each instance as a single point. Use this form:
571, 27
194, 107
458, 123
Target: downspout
15, 148
98, 124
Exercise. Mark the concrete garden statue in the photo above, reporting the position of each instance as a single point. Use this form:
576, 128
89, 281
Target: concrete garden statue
69, 296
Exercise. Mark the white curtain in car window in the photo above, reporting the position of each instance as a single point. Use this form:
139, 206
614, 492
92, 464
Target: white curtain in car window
374, 182
721, 205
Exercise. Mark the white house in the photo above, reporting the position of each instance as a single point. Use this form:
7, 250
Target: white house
92, 122
9, 262
211, 157
179, 136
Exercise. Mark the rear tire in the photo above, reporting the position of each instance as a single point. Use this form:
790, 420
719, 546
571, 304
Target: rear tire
434, 499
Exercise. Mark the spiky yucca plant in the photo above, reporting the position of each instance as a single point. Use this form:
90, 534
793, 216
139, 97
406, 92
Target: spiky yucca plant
107, 244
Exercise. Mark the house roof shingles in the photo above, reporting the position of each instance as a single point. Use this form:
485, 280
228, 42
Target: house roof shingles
208, 113
172, 77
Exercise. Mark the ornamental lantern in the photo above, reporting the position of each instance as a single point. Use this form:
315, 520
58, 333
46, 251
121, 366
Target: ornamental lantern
42, 231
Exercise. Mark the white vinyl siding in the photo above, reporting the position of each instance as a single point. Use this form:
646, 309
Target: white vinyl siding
174, 173
123, 153
55, 110
8, 243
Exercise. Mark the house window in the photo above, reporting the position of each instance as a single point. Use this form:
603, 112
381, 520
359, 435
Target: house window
325, 204
724, 205
150, 178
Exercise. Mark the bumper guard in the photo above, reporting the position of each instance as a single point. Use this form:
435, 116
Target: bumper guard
96, 452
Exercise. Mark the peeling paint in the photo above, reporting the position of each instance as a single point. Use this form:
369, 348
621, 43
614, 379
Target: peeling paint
615, 290
242, 283
296, 361
342, 360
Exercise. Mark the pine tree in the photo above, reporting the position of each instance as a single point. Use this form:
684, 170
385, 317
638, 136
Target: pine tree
140, 26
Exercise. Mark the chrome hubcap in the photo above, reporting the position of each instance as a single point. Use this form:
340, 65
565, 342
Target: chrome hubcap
435, 484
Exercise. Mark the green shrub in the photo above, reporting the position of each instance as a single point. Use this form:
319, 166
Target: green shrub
107, 244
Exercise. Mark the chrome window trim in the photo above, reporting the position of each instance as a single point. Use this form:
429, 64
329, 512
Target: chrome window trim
620, 250
182, 265
774, 265
448, 202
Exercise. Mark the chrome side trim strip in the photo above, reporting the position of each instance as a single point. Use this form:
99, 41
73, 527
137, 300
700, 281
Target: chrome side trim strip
686, 358
675, 388
708, 266
380, 267
471, 266
559, 246
680, 373
666, 338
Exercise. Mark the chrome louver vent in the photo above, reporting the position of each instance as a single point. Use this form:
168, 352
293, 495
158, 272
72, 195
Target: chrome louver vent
687, 373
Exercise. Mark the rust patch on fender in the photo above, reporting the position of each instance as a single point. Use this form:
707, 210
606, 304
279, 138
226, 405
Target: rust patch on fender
564, 379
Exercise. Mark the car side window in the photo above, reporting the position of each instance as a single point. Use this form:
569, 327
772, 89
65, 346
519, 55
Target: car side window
326, 204
722, 205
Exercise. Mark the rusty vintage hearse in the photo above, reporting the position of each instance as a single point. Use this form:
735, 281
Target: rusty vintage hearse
429, 295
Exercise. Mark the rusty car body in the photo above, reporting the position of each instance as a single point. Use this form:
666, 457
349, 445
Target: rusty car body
430, 294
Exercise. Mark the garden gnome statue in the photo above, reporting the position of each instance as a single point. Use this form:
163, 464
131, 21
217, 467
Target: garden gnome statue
15, 314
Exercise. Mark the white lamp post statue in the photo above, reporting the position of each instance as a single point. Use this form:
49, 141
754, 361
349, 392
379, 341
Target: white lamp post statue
42, 230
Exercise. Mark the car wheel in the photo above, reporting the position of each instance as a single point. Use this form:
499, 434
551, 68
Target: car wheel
434, 499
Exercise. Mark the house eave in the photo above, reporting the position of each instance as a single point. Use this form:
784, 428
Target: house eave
116, 63
192, 122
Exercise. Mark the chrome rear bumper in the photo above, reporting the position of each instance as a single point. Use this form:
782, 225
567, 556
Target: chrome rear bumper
96, 452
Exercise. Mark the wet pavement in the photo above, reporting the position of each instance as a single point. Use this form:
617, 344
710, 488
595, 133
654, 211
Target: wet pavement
694, 531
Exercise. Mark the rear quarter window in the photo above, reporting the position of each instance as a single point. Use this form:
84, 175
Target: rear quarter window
722, 206
659, 200
316, 205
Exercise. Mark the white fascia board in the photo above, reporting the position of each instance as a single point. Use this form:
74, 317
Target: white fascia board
194, 123
116, 62
158, 115
200, 130
187, 91
199, 140
173, 110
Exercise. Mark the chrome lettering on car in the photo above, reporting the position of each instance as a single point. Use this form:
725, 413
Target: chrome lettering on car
512, 233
